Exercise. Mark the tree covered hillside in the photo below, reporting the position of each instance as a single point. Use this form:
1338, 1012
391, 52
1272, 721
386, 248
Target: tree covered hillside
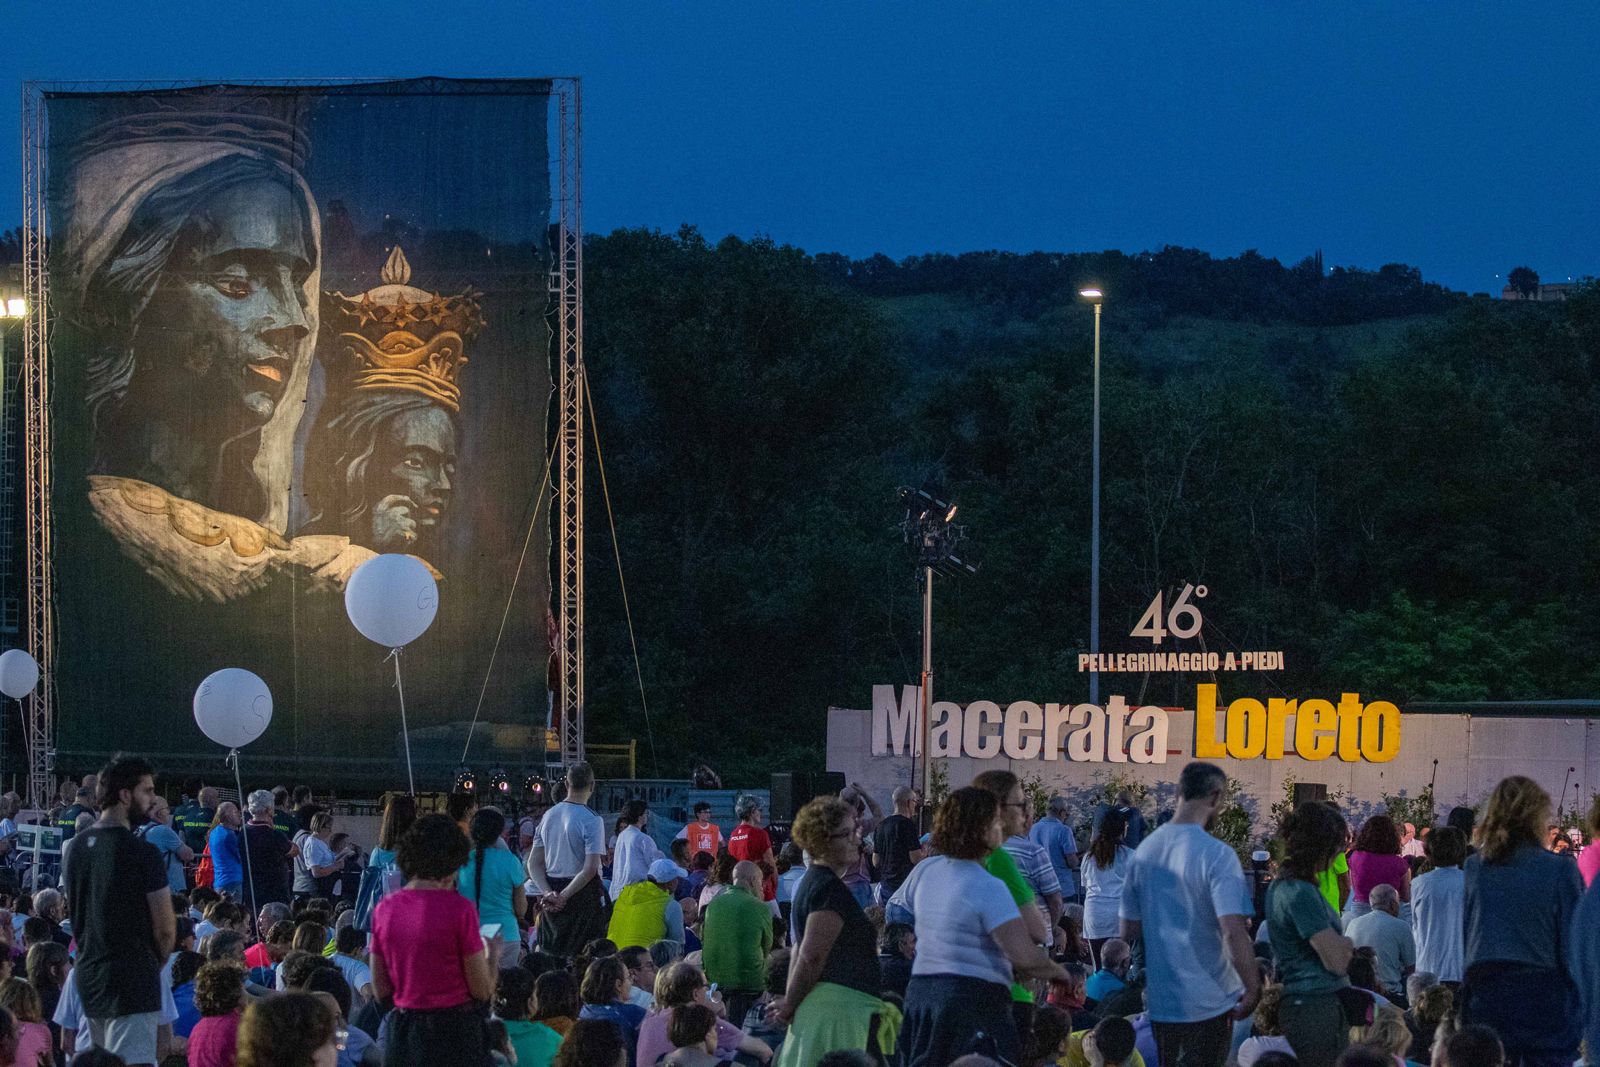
1392, 482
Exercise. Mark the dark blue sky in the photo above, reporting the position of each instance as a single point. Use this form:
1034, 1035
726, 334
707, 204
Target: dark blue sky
1459, 138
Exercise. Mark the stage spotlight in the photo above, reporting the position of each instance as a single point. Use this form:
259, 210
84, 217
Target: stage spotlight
466, 781
499, 782
533, 787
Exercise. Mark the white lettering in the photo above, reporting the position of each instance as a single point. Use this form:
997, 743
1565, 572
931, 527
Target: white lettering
896, 729
946, 740
1057, 718
1088, 745
977, 741
1149, 743
1021, 731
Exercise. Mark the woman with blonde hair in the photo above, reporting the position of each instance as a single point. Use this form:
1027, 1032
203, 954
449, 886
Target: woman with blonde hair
680, 984
1387, 1032
1519, 904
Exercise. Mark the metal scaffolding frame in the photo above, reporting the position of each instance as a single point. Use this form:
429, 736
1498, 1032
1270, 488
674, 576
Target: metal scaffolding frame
566, 286
39, 735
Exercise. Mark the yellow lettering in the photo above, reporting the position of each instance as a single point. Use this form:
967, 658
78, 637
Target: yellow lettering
1247, 728
1314, 730
1380, 732
1350, 727
1278, 711
1206, 745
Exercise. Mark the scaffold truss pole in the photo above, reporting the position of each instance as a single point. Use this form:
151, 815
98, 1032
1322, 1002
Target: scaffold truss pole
39, 734
566, 285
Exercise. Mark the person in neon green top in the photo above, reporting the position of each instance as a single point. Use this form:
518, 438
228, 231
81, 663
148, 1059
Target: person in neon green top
645, 912
1007, 789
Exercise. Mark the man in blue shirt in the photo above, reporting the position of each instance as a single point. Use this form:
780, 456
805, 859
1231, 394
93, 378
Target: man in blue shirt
1052, 834
1115, 957
175, 855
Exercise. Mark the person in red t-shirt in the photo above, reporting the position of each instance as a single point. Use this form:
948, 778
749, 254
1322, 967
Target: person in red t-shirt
749, 841
703, 835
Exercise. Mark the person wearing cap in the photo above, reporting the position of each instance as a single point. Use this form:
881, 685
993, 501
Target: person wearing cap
737, 935
646, 912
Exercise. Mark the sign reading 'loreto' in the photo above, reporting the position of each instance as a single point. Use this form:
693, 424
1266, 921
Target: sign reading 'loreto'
1250, 729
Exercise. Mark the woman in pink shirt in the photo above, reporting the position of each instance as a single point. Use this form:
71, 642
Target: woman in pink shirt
428, 955
1376, 861
219, 995
33, 1036
1589, 857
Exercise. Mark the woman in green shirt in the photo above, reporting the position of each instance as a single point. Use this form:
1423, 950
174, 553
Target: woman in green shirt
1311, 951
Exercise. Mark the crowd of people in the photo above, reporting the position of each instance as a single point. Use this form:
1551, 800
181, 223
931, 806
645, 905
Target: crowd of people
211, 936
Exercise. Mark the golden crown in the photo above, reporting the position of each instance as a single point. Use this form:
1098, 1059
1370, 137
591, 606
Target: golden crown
397, 337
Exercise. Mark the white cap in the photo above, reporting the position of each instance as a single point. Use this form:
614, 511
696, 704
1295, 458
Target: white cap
664, 870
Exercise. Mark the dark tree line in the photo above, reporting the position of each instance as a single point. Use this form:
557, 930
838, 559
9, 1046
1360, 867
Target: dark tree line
1392, 482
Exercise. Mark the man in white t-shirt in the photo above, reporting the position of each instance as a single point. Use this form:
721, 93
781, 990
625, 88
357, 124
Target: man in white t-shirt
564, 867
1388, 935
1186, 897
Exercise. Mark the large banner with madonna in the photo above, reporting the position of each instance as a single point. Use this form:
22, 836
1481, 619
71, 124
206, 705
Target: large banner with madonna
292, 327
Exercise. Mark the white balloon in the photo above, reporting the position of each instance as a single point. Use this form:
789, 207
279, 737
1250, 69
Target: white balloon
233, 707
19, 673
392, 599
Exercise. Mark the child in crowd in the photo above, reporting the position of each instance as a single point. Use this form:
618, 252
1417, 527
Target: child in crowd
1109, 1044
1072, 996
185, 967
693, 1033
532, 1043
33, 1036
556, 1004
219, 997
1267, 1033
605, 996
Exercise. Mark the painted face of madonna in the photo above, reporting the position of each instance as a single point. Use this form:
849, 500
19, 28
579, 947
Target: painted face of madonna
231, 313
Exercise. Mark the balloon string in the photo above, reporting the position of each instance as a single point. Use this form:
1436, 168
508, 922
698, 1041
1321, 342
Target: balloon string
405, 731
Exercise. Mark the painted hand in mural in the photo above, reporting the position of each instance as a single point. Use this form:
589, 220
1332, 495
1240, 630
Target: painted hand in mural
394, 520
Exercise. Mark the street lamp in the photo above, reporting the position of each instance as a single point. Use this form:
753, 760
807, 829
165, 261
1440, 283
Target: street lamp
929, 529
1095, 297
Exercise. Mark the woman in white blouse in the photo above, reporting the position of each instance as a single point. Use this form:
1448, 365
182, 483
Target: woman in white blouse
635, 850
1104, 871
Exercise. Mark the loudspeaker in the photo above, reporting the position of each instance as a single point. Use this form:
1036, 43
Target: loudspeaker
1306, 792
791, 790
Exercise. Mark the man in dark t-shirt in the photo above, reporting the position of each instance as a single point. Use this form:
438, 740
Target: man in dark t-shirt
67, 818
271, 852
896, 842
283, 819
122, 916
195, 826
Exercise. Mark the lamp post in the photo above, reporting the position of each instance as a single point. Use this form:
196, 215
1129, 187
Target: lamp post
929, 528
1095, 297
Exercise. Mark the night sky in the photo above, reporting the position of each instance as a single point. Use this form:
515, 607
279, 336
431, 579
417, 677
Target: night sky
1461, 138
